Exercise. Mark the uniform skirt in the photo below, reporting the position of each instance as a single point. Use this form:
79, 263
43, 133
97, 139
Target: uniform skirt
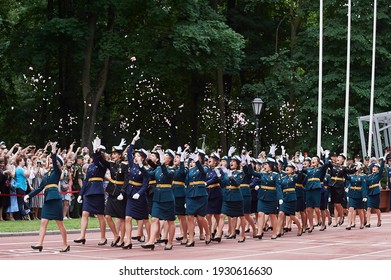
267, 207
137, 208
313, 198
115, 208
300, 204
52, 210
337, 195
289, 208
180, 206
164, 210
196, 205
356, 203
247, 205
94, 204
373, 201
214, 205
233, 208
324, 200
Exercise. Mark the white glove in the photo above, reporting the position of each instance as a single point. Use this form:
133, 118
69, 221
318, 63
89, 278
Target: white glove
194, 157
364, 199
273, 149
243, 157
329, 200
96, 143
256, 188
229, 172
79, 199
120, 197
282, 150
122, 143
161, 155
224, 169
179, 150
248, 158
301, 157
280, 201
231, 151
136, 196
137, 137
326, 153
218, 173
183, 156
347, 190
26, 198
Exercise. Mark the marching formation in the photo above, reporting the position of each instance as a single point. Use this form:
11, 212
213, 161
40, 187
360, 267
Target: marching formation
225, 196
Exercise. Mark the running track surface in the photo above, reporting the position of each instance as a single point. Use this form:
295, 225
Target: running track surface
372, 243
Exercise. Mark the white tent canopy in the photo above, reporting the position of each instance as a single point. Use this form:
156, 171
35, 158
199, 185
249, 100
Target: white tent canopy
381, 133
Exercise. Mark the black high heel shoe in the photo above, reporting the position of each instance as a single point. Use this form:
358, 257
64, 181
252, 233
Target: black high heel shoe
103, 243
82, 241
310, 230
190, 244
208, 241
180, 238
129, 246
39, 248
165, 241
120, 245
348, 228
141, 238
232, 236
241, 241
379, 223
259, 236
218, 239
323, 228
148, 246
68, 248
135, 237
114, 243
183, 242
168, 248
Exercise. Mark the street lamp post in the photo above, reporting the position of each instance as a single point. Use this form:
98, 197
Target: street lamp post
257, 108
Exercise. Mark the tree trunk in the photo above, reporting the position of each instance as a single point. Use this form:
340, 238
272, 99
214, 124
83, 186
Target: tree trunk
92, 95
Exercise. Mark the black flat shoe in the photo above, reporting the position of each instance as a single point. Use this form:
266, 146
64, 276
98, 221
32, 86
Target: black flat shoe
190, 244
113, 243
68, 248
179, 238
39, 248
148, 246
168, 248
82, 241
129, 246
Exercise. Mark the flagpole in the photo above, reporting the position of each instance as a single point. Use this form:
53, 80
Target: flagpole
346, 128
372, 79
319, 138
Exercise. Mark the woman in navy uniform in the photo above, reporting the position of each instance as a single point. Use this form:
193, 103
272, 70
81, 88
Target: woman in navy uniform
179, 190
136, 203
287, 183
300, 192
197, 197
269, 195
357, 195
52, 206
215, 194
374, 186
232, 207
93, 194
163, 207
313, 188
324, 201
255, 181
338, 173
116, 197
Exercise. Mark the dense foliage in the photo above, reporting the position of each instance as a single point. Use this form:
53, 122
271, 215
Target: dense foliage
75, 69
